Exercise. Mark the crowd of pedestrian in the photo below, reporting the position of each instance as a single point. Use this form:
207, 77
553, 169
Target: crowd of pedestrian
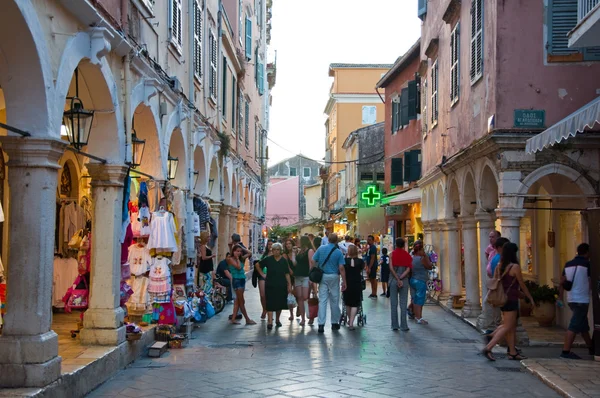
284, 276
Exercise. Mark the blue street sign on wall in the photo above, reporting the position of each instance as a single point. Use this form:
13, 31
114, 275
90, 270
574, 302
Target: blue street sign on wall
528, 118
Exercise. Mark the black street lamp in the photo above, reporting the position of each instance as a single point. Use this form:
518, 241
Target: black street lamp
172, 164
196, 174
137, 147
78, 120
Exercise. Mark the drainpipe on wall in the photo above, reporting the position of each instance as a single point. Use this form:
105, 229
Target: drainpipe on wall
379, 94
220, 92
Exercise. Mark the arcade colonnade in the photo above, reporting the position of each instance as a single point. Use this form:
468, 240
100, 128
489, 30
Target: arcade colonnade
38, 73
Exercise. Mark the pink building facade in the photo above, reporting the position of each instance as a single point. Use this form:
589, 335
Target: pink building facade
283, 206
495, 74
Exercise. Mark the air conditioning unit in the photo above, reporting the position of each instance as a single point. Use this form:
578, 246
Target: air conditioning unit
175, 84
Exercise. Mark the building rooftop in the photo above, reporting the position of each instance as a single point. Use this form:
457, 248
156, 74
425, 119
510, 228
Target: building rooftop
400, 64
359, 66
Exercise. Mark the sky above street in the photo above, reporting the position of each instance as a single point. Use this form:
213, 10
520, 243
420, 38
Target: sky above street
308, 35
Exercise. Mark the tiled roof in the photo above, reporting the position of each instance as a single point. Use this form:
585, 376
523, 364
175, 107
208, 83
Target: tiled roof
401, 62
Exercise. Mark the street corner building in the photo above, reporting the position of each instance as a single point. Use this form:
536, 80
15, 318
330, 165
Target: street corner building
508, 113
127, 128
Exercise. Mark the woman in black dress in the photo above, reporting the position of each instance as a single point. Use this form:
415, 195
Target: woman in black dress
277, 285
353, 293
205, 261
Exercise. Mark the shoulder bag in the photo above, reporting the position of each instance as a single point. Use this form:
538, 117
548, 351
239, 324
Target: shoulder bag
567, 284
316, 273
496, 295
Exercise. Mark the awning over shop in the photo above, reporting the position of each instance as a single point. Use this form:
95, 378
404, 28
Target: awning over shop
410, 196
575, 123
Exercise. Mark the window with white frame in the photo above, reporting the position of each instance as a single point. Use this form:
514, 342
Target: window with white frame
176, 23
212, 41
476, 40
293, 172
454, 64
198, 38
306, 172
241, 109
434, 93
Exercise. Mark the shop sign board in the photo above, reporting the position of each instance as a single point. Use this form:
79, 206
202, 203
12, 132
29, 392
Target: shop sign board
394, 210
530, 118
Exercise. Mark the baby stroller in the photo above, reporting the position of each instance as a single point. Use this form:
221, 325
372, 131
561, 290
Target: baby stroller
361, 317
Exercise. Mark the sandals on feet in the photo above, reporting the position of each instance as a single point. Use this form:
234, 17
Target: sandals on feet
422, 322
278, 324
250, 322
516, 357
488, 354
270, 326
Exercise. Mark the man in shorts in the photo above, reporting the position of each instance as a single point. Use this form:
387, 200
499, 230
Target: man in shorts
577, 274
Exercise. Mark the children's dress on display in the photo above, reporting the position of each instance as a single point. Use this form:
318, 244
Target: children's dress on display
159, 286
139, 259
162, 232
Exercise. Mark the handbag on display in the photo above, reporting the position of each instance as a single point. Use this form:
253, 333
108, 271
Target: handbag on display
75, 240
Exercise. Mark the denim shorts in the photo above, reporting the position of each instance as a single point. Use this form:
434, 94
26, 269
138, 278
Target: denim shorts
420, 291
301, 281
579, 320
239, 284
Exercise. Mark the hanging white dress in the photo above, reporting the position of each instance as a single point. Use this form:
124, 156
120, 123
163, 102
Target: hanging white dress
162, 232
139, 259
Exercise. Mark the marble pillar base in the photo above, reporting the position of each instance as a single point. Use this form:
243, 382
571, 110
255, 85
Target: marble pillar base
29, 361
471, 310
103, 327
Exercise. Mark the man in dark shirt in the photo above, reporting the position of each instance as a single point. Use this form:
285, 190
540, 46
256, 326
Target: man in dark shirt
223, 273
372, 266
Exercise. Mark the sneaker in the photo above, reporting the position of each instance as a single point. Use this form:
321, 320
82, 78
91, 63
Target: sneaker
383, 294
321, 328
335, 326
569, 355
372, 296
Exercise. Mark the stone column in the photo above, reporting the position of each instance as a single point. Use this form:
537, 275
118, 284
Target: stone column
472, 307
427, 232
215, 212
233, 222
28, 347
487, 224
453, 258
437, 236
224, 234
103, 321
510, 223
246, 229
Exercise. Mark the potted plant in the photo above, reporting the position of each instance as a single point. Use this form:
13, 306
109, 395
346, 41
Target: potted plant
545, 299
524, 305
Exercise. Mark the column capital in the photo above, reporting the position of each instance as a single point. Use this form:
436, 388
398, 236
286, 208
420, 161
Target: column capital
33, 152
510, 213
427, 225
468, 222
107, 175
485, 219
448, 224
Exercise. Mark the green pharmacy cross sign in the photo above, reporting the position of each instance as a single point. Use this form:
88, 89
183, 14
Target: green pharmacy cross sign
371, 195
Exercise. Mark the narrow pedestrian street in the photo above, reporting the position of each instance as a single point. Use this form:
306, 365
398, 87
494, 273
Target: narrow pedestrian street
440, 359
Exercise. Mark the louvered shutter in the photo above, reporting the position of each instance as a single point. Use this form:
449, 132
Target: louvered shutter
404, 107
233, 101
213, 66
224, 88
434, 92
241, 115
415, 169
397, 172
412, 94
455, 59
197, 39
424, 120
476, 39
176, 22
562, 18
248, 38
422, 9
408, 163
395, 115
261, 79
247, 123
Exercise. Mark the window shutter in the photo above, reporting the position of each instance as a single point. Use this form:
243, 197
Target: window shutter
197, 38
454, 64
233, 100
412, 100
213, 66
424, 120
415, 168
395, 106
248, 38
241, 108
224, 103
434, 92
422, 6
404, 108
408, 163
247, 123
476, 39
562, 18
261, 79
176, 22
397, 172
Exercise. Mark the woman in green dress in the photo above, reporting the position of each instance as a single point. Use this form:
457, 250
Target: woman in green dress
278, 283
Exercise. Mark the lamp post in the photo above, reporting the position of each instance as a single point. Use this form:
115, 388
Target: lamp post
172, 164
78, 120
196, 174
137, 147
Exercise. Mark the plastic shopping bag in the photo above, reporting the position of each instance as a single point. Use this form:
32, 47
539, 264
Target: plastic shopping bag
291, 300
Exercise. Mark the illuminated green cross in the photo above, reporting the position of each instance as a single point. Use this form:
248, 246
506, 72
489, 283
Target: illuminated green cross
371, 195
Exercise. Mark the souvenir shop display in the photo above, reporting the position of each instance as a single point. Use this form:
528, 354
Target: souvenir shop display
2, 282
65, 272
162, 232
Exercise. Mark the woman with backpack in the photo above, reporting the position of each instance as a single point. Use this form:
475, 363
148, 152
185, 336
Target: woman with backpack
509, 277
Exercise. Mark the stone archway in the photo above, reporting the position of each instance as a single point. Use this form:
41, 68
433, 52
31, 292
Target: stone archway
202, 186
146, 126
488, 190
177, 150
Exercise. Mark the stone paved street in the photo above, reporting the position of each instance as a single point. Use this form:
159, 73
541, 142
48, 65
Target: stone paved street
437, 360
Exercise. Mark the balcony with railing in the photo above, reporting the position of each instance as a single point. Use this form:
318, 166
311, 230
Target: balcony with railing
587, 31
